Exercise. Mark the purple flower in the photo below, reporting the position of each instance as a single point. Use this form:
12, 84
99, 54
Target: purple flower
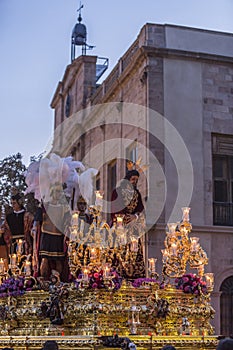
191, 283
185, 279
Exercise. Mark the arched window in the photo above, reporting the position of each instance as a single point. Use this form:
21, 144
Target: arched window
226, 306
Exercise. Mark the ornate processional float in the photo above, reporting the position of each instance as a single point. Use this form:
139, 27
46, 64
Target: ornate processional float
107, 303
114, 297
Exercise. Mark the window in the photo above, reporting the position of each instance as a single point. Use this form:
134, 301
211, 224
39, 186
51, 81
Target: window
67, 105
220, 169
226, 306
223, 180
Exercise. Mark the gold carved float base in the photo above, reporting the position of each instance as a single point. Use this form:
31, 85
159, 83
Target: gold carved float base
84, 342
149, 316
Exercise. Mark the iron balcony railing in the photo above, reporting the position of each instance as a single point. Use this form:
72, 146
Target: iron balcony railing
223, 214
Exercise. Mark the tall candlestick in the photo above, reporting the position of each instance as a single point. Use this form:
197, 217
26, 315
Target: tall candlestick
81, 229
74, 220
2, 266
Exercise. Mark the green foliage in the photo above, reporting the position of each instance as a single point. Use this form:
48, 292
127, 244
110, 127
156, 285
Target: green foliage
12, 176
36, 158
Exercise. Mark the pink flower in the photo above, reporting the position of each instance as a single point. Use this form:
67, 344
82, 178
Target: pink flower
96, 275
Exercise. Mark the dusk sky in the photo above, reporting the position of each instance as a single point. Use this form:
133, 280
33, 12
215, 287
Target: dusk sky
35, 50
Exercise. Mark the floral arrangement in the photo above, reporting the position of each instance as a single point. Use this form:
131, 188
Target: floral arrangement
190, 283
16, 286
96, 280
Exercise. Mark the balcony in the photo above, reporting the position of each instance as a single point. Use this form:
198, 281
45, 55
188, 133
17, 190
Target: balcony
223, 213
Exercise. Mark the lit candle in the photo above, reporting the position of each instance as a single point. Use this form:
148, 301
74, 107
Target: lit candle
172, 228
106, 271
185, 216
134, 245
209, 277
194, 243
99, 198
74, 234
151, 263
174, 248
165, 254
2, 266
19, 246
93, 253
13, 260
122, 239
74, 220
85, 274
119, 220
27, 268
81, 229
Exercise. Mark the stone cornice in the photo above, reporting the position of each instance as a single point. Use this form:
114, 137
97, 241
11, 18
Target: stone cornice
202, 229
182, 54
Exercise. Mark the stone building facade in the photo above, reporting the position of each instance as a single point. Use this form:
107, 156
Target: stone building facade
169, 99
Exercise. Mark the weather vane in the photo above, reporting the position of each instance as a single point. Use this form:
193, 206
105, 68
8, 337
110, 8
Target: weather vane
79, 10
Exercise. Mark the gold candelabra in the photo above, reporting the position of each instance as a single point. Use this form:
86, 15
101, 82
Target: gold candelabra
19, 264
183, 252
101, 248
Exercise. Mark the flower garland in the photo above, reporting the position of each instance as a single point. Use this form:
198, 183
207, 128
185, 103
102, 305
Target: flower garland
190, 283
